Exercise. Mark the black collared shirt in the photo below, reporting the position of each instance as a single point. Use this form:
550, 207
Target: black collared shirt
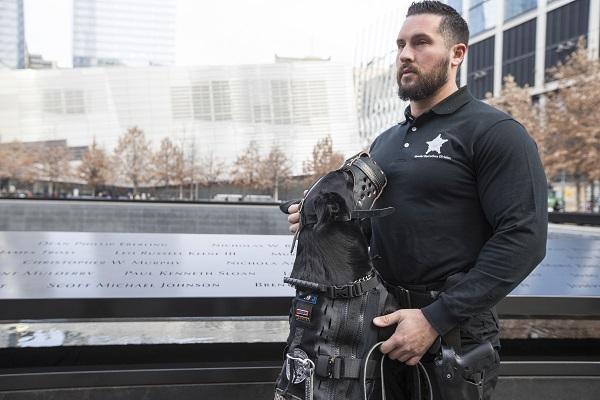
470, 196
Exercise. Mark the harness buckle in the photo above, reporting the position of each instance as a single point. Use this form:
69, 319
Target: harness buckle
335, 367
342, 291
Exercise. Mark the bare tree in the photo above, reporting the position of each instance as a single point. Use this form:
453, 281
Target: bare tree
274, 171
187, 172
132, 158
211, 170
564, 123
190, 153
16, 163
323, 159
246, 167
53, 162
573, 122
95, 168
168, 166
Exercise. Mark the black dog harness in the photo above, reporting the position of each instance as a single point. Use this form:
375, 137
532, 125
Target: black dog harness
331, 339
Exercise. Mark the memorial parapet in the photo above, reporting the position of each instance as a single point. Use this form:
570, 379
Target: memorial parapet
116, 275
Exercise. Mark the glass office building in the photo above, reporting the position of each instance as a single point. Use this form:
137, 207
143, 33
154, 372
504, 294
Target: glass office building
523, 38
378, 105
12, 34
123, 32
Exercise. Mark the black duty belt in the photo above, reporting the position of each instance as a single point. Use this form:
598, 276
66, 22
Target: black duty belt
419, 296
411, 298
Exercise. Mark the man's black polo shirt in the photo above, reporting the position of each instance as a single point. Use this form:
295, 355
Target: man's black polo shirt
470, 196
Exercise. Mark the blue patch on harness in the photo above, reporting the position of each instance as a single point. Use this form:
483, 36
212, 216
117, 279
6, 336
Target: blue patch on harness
309, 298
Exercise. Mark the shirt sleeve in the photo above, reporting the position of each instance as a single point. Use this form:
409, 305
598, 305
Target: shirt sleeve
513, 192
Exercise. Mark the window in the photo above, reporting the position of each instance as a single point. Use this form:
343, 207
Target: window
561, 37
280, 93
518, 53
482, 15
74, 101
513, 8
221, 100
201, 101
53, 101
301, 105
180, 102
480, 76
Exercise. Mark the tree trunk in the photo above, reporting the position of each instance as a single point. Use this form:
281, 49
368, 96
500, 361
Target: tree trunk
592, 195
276, 189
578, 192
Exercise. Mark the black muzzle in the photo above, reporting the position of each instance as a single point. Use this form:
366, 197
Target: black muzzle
363, 179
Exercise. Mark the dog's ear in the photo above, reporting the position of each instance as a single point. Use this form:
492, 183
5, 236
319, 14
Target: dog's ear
330, 207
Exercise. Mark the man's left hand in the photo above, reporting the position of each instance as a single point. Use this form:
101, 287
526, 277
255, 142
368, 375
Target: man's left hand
413, 335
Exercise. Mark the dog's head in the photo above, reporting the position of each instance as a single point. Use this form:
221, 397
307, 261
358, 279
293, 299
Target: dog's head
334, 221
345, 194
328, 200
332, 246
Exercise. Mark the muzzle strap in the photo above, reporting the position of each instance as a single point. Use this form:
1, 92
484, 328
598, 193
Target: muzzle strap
373, 213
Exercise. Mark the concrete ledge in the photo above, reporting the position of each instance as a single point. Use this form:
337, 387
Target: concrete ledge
140, 217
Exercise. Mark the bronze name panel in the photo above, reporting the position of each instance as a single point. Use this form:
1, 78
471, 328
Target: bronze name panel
64, 265
36, 265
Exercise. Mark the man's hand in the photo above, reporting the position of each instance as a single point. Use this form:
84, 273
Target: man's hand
294, 216
413, 335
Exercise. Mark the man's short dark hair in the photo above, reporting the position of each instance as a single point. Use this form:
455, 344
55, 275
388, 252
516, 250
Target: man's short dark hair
452, 26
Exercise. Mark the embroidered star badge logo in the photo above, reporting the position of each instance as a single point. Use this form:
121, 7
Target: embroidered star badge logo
435, 144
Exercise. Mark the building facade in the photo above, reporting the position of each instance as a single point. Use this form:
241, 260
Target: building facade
377, 101
524, 39
12, 34
123, 32
216, 109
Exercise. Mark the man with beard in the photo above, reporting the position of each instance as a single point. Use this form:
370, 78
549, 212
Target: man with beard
471, 211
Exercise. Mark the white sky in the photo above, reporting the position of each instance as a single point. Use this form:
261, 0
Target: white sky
235, 31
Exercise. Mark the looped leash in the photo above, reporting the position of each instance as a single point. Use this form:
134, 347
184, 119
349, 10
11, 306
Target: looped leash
364, 374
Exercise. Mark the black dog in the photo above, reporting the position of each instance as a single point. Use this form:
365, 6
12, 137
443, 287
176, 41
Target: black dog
330, 349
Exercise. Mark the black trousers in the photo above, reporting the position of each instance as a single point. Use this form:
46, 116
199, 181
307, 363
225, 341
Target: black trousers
403, 383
